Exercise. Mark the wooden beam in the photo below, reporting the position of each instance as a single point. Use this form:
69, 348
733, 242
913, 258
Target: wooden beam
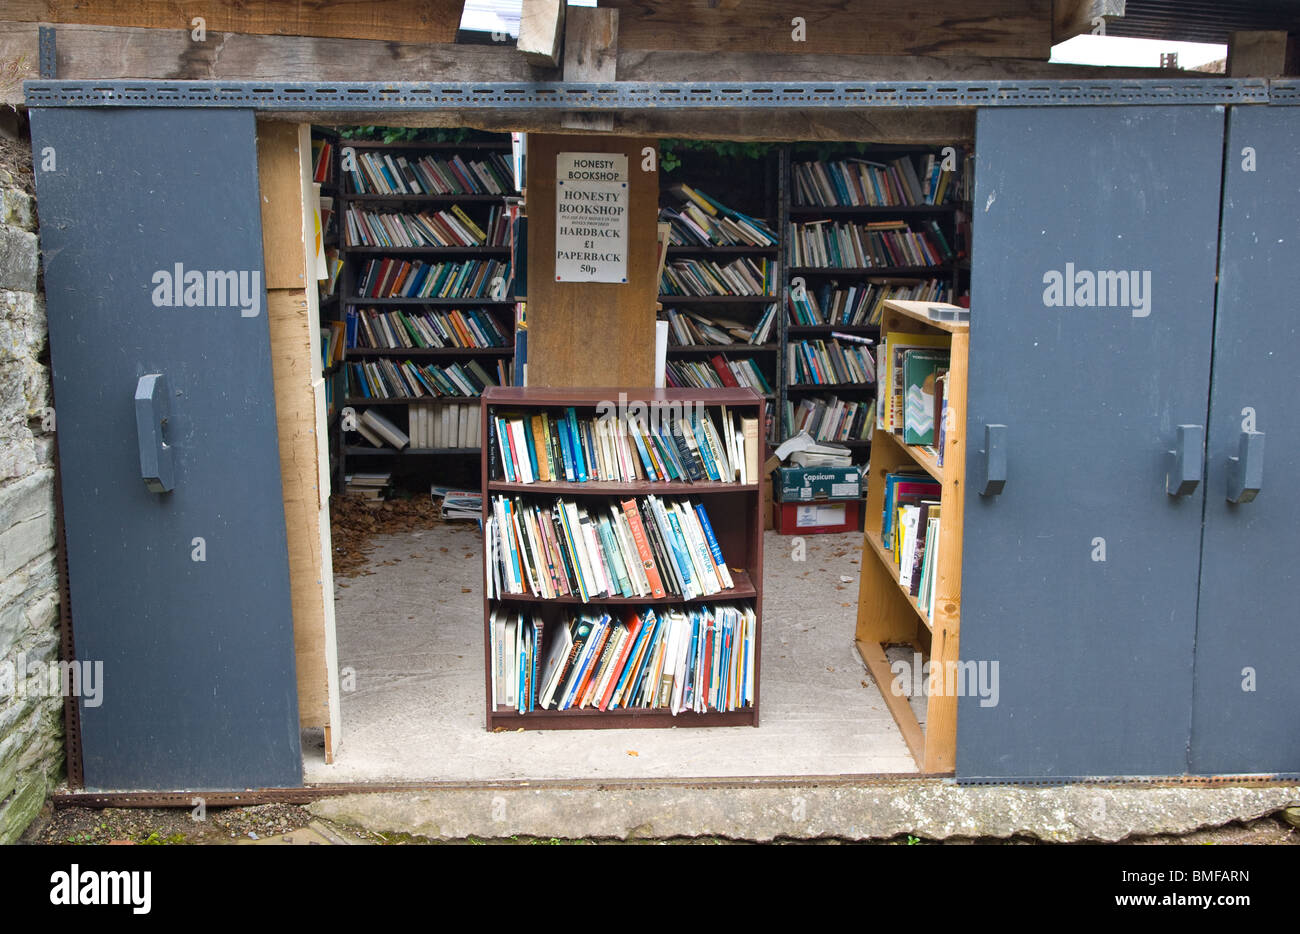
1072, 18
1019, 28
288, 206
1257, 54
590, 55
109, 53
389, 20
541, 32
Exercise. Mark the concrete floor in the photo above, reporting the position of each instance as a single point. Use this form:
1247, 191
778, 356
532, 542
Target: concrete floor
410, 636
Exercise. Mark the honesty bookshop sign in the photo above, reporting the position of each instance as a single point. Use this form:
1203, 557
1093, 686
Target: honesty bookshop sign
591, 217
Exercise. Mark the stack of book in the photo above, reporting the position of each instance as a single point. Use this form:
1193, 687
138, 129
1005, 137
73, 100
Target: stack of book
390, 379
858, 304
399, 278
704, 221
595, 549
822, 363
722, 447
369, 486
458, 504
832, 418
909, 530
693, 659
383, 173
861, 183
689, 328
424, 228
425, 328
452, 425
718, 373
874, 244
911, 367
702, 277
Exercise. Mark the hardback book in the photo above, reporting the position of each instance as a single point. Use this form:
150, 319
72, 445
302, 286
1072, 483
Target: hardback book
921, 368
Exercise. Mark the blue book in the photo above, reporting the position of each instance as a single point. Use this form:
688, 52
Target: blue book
351, 332
580, 465
714, 548
532, 447
506, 538
682, 555
706, 453
587, 660
642, 634
566, 449
655, 625
645, 456
504, 444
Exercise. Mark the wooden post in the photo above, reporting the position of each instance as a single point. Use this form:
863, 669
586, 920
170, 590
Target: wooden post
592, 333
289, 248
1257, 54
541, 31
590, 55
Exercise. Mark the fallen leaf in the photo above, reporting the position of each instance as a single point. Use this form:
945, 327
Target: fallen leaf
634, 753
467, 590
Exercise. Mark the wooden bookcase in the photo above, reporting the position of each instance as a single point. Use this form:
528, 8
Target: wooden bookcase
887, 614
954, 271
735, 511
351, 450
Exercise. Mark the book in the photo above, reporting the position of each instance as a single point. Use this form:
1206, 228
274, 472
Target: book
920, 370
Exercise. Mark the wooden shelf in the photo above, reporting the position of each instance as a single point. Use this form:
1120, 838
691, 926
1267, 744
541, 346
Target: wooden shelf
744, 590
910, 272
466, 302
888, 614
430, 351
613, 488
736, 514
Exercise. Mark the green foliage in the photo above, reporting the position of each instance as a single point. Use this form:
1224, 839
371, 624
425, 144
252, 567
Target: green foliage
411, 134
671, 150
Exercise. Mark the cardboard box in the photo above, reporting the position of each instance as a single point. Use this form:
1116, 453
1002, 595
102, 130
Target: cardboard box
817, 518
818, 484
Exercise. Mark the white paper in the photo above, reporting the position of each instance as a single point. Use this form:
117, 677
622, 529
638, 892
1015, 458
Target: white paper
591, 203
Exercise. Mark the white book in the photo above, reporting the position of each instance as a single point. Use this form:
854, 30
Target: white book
751, 624
632, 557
510, 642
522, 466
701, 557
385, 429
588, 574
907, 545
559, 645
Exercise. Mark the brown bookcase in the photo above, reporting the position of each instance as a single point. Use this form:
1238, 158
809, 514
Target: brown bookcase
887, 613
735, 512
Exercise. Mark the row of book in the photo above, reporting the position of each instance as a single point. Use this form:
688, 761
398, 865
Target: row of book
911, 368
862, 183
832, 418
875, 244
450, 228
689, 328
331, 343
398, 278
820, 362
717, 373
705, 221
454, 425
688, 659
686, 446
382, 173
858, 304
743, 276
909, 530
424, 328
594, 549
392, 379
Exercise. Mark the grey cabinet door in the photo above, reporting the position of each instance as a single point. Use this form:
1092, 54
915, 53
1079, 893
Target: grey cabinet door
1246, 713
1092, 293
152, 249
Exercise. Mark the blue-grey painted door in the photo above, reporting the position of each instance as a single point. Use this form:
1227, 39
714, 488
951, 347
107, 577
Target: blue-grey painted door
152, 249
1092, 293
1246, 716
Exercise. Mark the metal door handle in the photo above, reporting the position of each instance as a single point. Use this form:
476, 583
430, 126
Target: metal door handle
1183, 470
152, 407
1246, 470
995, 460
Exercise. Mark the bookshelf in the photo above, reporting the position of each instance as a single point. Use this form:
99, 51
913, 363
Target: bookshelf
422, 230
325, 173
735, 513
888, 614
802, 211
756, 194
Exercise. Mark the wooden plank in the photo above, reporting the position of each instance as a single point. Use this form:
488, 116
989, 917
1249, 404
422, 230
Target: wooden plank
284, 153
1072, 18
1257, 54
941, 712
873, 656
1014, 28
590, 55
591, 333
541, 32
388, 20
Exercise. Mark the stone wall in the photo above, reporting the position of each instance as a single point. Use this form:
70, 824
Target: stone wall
31, 719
